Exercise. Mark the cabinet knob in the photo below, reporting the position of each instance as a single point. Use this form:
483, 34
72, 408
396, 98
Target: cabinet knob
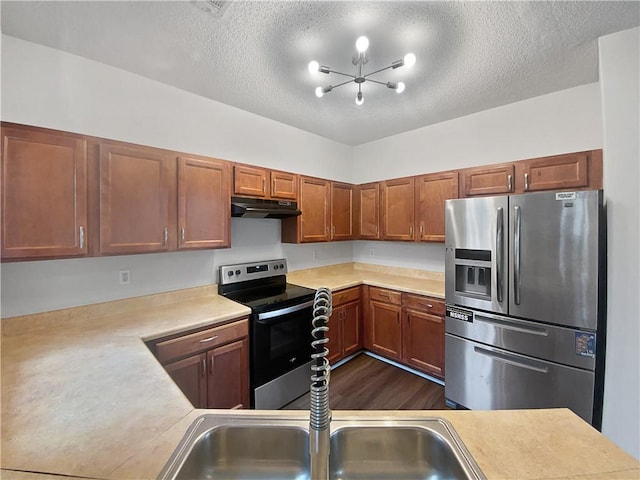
182, 234
510, 182
165, 236
526, 182
81, 238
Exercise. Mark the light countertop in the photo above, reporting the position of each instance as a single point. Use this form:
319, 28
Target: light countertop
82, 396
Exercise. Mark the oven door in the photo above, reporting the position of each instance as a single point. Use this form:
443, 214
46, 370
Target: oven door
281, 341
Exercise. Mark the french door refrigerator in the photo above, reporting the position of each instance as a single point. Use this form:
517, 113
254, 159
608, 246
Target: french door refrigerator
525, 289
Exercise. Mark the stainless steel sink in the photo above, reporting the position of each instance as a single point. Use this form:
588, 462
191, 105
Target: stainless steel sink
269, 447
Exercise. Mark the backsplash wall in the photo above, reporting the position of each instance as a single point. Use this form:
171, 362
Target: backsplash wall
32, 287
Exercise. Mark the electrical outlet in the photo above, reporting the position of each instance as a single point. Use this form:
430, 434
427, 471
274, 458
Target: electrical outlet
372, 252
124, 277
316, 255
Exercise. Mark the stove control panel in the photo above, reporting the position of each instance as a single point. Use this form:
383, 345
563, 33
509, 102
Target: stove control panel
243, 272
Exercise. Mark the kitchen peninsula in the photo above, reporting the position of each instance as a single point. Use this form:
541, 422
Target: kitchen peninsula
83, 396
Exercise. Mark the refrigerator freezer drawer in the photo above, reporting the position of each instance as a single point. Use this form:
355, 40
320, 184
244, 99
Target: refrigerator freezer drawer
480, 377
557, 344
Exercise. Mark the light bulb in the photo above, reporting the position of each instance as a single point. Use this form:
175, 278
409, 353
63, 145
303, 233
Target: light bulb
313, 67
362, 43
400, 87
359, 99
409, 60
319, 92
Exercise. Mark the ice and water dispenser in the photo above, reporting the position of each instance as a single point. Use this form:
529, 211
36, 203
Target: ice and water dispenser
473, 272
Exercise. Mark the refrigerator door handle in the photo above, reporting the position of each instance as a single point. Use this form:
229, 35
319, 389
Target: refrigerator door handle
500, 254
513, 360
516, 255
506, 325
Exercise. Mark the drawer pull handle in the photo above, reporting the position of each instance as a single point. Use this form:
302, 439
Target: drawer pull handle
210, 339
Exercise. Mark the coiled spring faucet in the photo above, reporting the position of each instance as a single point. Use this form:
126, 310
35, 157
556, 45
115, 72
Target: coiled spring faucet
320, 415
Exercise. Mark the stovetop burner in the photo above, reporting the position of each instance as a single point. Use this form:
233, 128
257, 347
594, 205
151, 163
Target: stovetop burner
261, 286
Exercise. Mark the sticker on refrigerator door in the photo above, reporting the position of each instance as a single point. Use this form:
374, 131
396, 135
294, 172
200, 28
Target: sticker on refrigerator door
586, 344
565, 195
458, 313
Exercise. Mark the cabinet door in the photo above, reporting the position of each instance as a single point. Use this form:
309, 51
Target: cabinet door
249, 181
424, 342
351, 334
341, 211
490, 180
284, 185
431, 193
203, 203
137, 185
369, 211
44, 194
553, 173
228, 381
397, 209
386, 332
335, 336
315, 196
190, 374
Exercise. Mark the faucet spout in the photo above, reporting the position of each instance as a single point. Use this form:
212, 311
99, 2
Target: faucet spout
319, 413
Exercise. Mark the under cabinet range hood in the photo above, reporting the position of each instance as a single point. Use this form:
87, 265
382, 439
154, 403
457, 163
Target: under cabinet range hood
259, 208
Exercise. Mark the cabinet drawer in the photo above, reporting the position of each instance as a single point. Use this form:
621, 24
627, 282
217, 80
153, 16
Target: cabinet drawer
384, 295
426, 304
345, 296
202, 340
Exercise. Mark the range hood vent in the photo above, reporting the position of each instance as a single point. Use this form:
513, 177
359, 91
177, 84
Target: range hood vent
259, 208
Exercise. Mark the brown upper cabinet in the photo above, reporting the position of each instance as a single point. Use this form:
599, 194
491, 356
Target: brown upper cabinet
491, 180
284, 185
580, 170
576, 170
261, 182
203, 203
368, 211
136, 189
315, 203
431, 192
327, 212
398, 216
250, 181
44, 194
342, 209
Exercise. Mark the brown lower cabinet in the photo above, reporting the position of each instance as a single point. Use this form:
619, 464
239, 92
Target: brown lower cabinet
210, 365
345, 329
406, 328
423, 334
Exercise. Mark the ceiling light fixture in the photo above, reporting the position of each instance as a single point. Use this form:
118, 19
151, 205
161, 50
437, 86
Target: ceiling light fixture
360, 58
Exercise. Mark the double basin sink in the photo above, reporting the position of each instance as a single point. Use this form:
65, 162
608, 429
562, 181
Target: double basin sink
270, 447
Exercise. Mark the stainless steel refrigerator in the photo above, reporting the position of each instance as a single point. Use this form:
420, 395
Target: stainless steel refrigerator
525, 290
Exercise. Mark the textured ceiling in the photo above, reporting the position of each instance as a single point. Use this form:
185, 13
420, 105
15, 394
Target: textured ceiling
471, 56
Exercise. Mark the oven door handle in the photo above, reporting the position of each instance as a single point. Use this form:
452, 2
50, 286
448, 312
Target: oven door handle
282, 311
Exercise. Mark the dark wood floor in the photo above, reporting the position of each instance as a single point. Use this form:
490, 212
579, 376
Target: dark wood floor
366, 383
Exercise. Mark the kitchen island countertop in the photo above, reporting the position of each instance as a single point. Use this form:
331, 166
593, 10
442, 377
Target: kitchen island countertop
82, 396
